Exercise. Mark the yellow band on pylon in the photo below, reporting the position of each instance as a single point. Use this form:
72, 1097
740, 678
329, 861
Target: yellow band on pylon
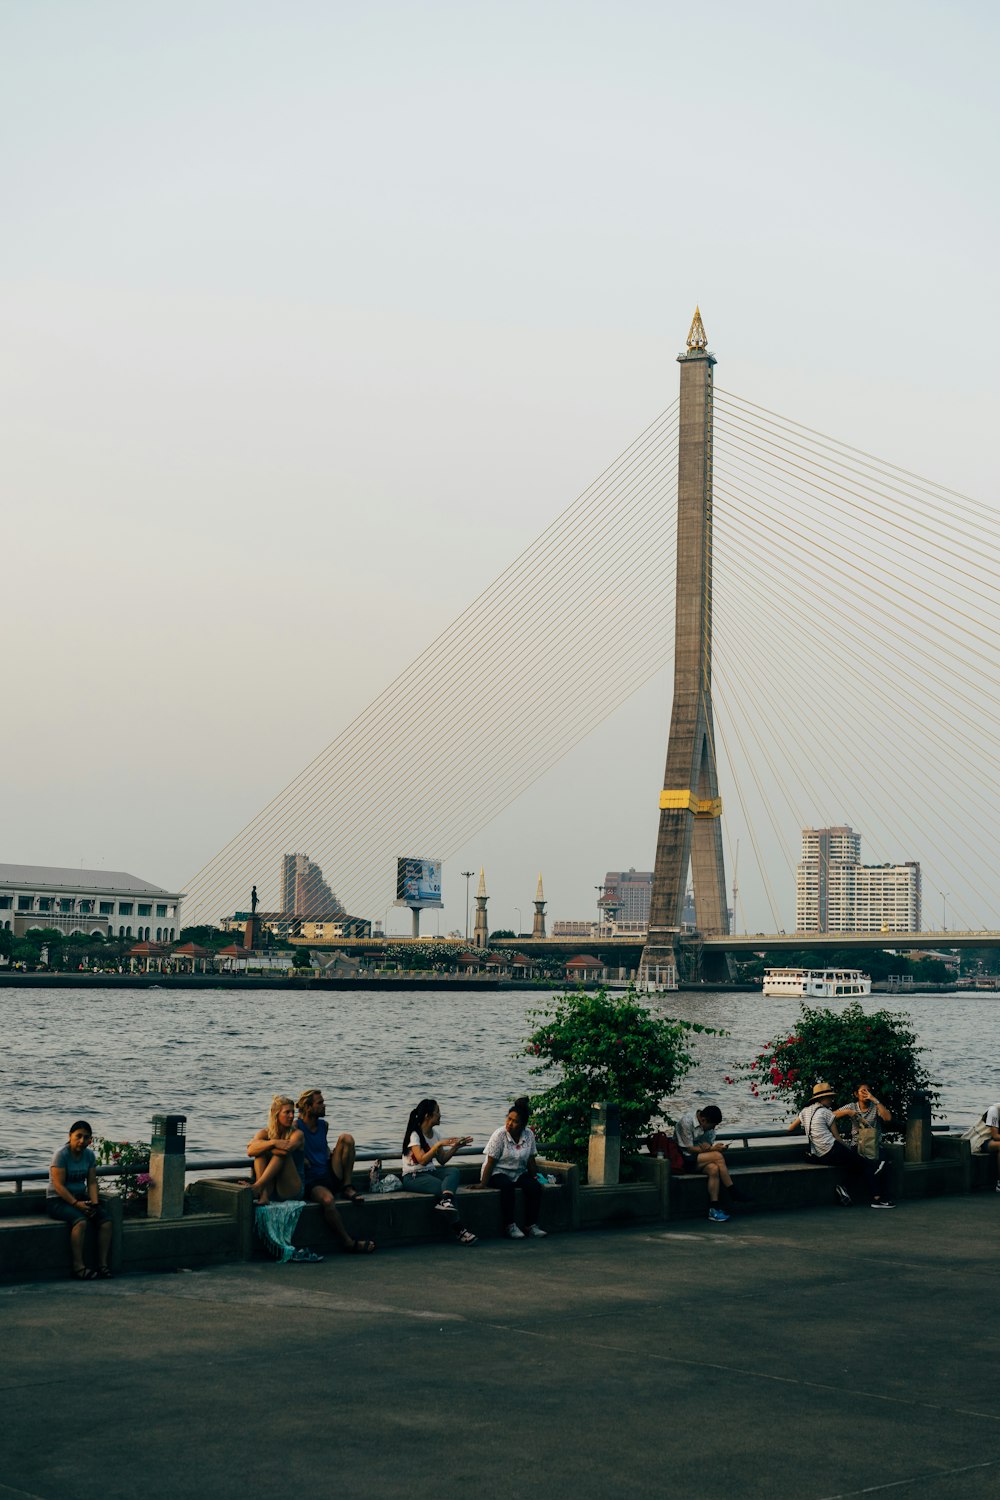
685, 800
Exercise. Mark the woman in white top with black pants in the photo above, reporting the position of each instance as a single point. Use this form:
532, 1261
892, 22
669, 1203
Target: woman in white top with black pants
510, 1164
425, 1164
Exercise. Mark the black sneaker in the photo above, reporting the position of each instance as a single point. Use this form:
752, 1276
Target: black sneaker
843, 1196
881, 1203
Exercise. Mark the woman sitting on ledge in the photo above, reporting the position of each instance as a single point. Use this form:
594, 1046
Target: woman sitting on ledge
867, 1116
510, 1163
72, 1196
278, 1158
426, 1155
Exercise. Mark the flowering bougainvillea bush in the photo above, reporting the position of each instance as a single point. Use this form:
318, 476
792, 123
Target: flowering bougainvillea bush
132, 1182
844, 1048
605, 1048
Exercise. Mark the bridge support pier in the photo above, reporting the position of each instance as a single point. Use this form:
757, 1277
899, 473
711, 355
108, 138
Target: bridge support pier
690, 831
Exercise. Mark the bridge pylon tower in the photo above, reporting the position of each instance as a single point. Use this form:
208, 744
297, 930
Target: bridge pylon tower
690, 832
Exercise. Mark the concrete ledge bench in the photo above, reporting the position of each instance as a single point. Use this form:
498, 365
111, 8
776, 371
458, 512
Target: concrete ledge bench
781, 1177
391, 1219
35, 1247
774, 1185
982, 1171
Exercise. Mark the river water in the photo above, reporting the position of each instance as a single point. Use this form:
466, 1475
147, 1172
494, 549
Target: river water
117, 1056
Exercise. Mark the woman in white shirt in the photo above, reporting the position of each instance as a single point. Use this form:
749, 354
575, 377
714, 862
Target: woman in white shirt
509, 1163
425, 1164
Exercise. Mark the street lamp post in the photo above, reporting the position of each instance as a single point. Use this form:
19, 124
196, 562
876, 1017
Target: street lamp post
944, 919
468, 877
518, 910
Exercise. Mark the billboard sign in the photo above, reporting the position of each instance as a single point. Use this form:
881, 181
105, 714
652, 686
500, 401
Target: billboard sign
418, 882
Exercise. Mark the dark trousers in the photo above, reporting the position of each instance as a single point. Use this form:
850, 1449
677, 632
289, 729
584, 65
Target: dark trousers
852, 1165
530, 1187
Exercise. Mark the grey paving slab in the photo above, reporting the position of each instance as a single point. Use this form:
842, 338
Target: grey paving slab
813, 1356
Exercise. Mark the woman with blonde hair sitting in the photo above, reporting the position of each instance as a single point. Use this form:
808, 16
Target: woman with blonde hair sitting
278, 1156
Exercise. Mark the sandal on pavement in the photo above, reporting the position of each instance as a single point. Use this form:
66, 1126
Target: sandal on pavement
84, 1274
104, 1273
467, 1237
362, 1247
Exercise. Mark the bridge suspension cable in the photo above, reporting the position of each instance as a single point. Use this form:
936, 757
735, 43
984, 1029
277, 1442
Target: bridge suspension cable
856, 630
493, 702
876, 592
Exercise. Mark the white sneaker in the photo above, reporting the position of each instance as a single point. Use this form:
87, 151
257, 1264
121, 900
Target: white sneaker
535, 1232
513, 1233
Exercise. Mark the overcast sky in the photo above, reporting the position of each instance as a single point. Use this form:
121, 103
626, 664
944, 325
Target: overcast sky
313, 315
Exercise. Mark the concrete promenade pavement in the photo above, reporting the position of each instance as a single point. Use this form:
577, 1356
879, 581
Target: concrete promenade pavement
801, 1356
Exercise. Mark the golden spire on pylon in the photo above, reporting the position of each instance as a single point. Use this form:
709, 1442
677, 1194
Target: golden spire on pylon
697, 337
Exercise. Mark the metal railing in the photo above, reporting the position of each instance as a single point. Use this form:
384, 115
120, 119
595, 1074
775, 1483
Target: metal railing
781, 1133
19, 1175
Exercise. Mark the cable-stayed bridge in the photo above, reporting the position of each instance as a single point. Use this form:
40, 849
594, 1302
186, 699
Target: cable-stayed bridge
831, 622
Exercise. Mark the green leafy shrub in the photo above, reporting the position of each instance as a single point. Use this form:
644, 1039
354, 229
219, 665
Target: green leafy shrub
605, 1048
843, 1047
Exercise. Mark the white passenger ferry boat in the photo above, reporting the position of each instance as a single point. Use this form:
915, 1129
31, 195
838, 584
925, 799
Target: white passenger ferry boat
817, 984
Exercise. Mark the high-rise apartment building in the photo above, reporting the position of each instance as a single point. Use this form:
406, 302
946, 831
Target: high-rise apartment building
835, 892
304, 892
626, 895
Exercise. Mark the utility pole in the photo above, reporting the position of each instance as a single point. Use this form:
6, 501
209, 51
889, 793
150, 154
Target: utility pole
468, 877
736, 881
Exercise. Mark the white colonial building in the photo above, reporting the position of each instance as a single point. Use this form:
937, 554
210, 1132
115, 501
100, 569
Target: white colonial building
109, 902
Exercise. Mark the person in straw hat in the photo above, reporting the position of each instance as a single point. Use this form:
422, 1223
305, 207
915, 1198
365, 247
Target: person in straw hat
827, 1148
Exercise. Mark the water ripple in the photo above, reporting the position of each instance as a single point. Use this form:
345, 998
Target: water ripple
219, 1055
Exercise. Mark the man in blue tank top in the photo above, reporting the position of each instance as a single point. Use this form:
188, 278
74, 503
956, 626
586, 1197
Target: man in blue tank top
328, 1172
